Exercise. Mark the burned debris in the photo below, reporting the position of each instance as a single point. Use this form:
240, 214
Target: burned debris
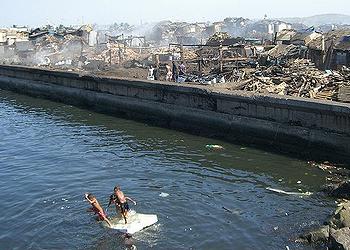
267, 56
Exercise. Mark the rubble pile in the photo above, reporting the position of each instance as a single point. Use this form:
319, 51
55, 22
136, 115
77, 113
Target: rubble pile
218, 37
53, 51
298, 78
190, 54
209, 55
283, 51
115, 53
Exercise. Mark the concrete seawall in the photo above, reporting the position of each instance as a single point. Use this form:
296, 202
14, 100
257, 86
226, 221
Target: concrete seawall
311, 128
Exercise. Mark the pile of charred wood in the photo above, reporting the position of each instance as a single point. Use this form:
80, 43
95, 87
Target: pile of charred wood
298, 78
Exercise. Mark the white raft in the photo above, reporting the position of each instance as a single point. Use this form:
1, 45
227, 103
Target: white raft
136, 222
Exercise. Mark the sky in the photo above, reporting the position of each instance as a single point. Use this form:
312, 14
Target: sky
40, 12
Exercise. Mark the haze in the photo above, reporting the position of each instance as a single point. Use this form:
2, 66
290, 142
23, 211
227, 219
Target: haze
40, 12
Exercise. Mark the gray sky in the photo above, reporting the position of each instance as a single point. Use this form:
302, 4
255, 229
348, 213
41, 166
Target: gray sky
40, 12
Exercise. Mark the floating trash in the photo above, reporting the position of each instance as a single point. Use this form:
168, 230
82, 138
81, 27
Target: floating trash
214, 146
163, 195
288, 193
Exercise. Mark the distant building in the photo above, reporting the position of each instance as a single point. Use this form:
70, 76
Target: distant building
215, 28
277, 26
3, 37
189, 34
12, 35
92, 38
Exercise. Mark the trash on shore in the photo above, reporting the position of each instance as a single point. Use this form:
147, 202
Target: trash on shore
288, 193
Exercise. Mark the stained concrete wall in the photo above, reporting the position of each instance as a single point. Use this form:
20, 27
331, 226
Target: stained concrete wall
308, 127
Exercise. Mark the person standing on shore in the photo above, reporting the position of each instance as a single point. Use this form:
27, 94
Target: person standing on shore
169, 73
175, 72
156, 73
150, 75
182, 69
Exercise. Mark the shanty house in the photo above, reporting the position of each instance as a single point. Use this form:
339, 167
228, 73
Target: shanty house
304, 37
285, 36
331, 50
341, 54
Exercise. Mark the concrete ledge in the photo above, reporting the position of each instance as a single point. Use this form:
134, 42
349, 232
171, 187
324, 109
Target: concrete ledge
308, 127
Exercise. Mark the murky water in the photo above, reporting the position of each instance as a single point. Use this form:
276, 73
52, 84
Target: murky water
51, 153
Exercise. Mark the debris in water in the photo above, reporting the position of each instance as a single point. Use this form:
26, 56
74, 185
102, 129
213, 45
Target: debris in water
163, 195
288, 193
214, 146
298, 182
228, 210
235, 212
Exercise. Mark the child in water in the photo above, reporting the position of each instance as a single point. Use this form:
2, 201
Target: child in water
121, 201
97, 208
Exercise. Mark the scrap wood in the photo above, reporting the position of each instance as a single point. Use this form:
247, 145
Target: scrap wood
298, 77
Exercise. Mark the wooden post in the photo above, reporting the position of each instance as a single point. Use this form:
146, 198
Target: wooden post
200, 61
221, 62
157, 60
182, 52
110, 57
82, 47
119, 54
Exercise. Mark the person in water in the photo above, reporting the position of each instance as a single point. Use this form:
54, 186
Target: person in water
97, 208
121, 202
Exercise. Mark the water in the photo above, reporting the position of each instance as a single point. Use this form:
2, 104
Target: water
51, 154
